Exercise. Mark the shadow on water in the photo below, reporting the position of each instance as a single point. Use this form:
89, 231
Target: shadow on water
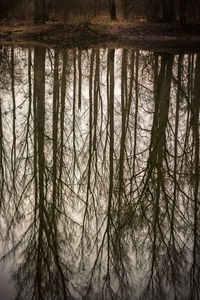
99, 173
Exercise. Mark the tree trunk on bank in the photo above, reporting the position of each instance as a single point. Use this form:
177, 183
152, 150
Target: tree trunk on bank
40, 11
112, 10
126, 9
154, 10
182, 11
168, 10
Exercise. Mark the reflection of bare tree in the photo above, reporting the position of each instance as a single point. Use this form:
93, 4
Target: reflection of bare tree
38, 278
154, 182
1, 156
104, 171
39, 102
195, 109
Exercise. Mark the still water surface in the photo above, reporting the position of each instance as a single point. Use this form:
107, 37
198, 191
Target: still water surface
99, 174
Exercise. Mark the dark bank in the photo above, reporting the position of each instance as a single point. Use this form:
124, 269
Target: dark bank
84, 23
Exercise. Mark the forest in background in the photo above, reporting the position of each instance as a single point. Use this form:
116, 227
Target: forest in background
102, 10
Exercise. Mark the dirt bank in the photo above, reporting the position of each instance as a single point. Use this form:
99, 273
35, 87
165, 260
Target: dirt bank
168, 37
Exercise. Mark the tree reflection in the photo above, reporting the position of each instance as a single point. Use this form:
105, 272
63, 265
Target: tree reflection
99, 164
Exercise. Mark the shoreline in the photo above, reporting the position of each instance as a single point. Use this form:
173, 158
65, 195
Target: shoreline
167, 37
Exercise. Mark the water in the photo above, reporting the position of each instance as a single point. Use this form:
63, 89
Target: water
99, 174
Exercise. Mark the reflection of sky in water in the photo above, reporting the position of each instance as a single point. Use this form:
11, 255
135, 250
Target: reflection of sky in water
6, 287
144, 242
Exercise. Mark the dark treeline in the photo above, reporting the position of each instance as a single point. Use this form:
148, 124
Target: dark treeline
99, 173
170, 10
85, 10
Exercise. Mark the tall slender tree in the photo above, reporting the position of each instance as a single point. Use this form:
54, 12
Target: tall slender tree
112, 10
168, 10
182, 11
40, 11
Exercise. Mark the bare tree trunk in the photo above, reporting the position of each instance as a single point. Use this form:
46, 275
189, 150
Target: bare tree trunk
39, 100
112, 10
74, 114
136, 109
178, 98
154, 10
195, 110
80, 78
111, 154
124, 102
55, 131
126, 9
96, 100
13, 152
1, 158
168, 10
62, 122
40, 11
90, 150
182, 11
